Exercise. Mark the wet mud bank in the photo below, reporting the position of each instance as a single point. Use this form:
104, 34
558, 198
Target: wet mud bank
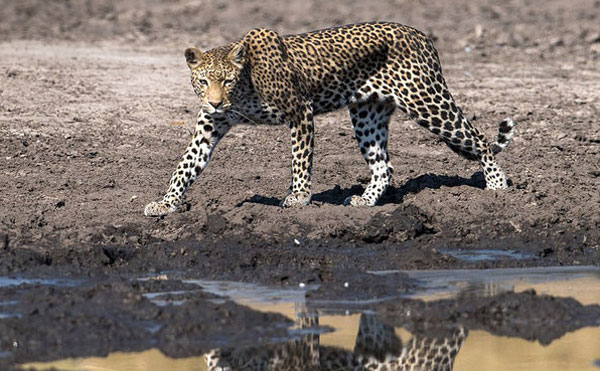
404, 238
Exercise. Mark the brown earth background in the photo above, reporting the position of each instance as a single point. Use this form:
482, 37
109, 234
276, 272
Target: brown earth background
96, 108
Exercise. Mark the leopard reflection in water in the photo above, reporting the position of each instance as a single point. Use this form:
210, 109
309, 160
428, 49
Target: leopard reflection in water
377, 347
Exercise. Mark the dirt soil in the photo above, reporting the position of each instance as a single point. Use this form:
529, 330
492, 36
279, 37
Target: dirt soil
96, 108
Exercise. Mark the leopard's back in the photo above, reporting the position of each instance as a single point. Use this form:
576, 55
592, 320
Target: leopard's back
337, 62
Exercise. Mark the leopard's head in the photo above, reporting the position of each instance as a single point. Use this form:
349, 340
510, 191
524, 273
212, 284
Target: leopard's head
216, 75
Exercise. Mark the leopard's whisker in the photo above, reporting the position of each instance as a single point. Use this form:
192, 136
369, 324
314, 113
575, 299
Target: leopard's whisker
244, 116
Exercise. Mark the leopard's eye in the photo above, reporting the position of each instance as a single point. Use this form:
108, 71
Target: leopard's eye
227, 82
203, 82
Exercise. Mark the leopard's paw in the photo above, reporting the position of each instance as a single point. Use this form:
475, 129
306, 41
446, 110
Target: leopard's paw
296, 199
496, 181
357, 200
496, 186
159, 208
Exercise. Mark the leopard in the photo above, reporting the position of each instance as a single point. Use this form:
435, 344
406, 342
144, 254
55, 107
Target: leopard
377, 347
371, 68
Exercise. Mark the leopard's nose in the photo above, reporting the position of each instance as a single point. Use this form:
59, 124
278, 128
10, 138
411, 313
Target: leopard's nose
216, 105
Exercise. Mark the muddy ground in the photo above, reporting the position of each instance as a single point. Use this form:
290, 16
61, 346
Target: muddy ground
96, 108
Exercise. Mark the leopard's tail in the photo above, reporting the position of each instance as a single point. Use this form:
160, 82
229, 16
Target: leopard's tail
505, 132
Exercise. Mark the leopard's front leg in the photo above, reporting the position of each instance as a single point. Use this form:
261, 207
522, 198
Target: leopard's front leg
302, 130
210, 128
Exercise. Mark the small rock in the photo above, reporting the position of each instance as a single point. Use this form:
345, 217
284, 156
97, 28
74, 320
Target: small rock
556, 42
593, 38
160, 277
478, 31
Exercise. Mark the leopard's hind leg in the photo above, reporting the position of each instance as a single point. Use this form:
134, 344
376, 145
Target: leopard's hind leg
430, 352
420, 90
370, 119
376, 339
447, 121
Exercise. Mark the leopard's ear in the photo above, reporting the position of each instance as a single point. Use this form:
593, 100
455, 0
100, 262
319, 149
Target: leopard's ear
192, 57
237, 54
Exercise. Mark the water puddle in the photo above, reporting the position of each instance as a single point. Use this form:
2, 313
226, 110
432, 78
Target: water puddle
163, 298
8, 303
467, 348
152, 359
16, 281
580, 283
485, 255
9, 315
